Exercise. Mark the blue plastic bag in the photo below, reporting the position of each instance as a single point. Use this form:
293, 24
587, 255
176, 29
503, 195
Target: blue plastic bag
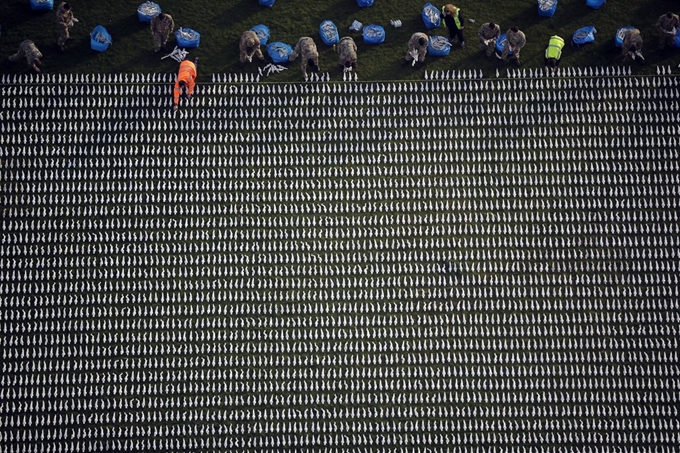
595, 4
262, 32
438, 46
373, 34
42, 5
431, 16
187, 38
364, 3
267, 3
500, 43
618, 39
583, 36
279, 52
145, 16
676, 43
100, 39
329, 33
547, 8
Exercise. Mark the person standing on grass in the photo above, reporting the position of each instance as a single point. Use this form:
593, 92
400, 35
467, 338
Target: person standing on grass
347, 53
454, 22
488, 35
186, 81
515, 40
310, 56
249, 47
161, 27
417, 48
28, 49
668, 25
65, 21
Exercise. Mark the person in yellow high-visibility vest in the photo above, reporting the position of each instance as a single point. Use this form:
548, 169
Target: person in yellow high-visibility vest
553, 53
454, 22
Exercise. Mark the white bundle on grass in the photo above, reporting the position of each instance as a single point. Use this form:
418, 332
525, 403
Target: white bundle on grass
177, 54
356, 26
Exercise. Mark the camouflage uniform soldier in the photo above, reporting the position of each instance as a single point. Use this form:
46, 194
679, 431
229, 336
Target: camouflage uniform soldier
161, 27
30, 51
249, 46
515, 41
310, 56
668, 25
347, 51
488, 35
632, 44
417, 47
65, 21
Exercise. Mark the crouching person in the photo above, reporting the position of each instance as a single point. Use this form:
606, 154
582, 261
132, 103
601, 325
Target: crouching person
249, 47
28, 50
186, 81
306, 48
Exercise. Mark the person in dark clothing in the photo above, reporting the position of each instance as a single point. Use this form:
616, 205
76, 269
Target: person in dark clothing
454, 22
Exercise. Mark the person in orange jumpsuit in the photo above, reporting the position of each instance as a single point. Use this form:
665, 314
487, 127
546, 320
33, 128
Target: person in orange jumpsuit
186, 81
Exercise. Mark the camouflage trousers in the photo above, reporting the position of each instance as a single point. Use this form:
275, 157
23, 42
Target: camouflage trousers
489, 48
666, 40
63, 34
160, 40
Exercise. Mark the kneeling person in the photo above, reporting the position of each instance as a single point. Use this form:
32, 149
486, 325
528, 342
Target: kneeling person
347, 52
417, 48
553, 53
249, 47
186, 81
28, 49
306, 48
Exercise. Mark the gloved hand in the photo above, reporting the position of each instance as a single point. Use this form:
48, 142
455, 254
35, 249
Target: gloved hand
174, 108
189, 98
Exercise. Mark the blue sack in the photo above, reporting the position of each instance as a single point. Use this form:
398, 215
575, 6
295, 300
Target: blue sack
595, 4
279, 52
618, 39
373, 34
100, 39
431, 16
329, 33
262, 32
583, 36
44, 5
187, 38
267, 3
676, 43
147, 11
547, 8
364, 3
500, 43
438, 46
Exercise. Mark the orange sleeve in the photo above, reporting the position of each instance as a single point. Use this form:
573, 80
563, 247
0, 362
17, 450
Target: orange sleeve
190, 86
175, 93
